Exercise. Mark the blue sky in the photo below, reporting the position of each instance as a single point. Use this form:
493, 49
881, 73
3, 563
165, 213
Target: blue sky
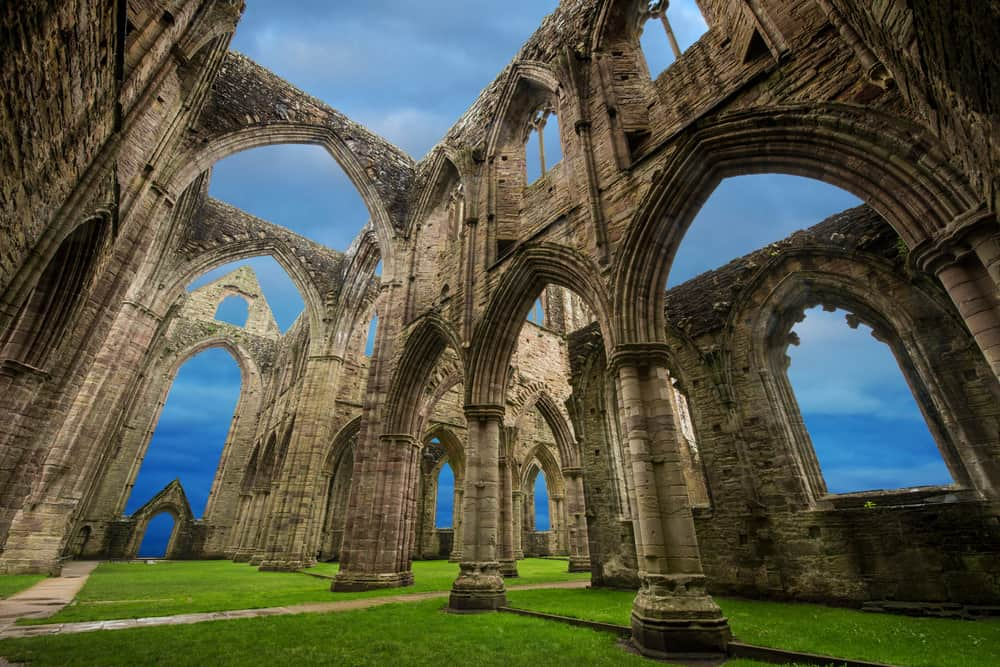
408, 71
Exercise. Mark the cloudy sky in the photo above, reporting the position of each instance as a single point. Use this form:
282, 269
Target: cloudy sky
408, 71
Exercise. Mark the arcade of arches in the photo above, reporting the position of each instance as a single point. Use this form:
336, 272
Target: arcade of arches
675, 457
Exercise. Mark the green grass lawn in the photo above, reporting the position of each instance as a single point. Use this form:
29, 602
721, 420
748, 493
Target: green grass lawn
412, 634
15, 583
438, 575
847, 633
137, 590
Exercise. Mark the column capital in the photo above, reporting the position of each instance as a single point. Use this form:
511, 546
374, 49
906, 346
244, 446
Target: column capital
639, 354
954, 242
572, 472
485, 412
399, 440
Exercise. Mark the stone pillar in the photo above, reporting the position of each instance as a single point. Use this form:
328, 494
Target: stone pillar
557, 523
507, 560
579, 547
967, 262
672, 612
293, 534
385, 562
456, 523
517, 498
479, 586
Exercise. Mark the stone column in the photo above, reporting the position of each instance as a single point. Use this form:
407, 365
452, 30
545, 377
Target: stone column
672, 612
579, 547
456, 523
479, 586
508, 562
967, 262
517, 498
557, 523
385, 562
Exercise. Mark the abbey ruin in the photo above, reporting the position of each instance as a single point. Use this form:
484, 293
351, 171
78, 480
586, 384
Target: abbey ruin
663, 420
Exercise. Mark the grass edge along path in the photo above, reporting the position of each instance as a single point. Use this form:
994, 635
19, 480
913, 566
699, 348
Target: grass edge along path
136, 590
11, 584
415, 633
847, 633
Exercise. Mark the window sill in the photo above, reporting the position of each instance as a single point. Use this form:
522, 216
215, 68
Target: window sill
895, 498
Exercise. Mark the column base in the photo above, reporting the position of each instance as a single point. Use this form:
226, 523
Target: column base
673, 616
52, 567
508, 568
352, 582
579, 564
479, 587
242, 556
255, 560
285, 565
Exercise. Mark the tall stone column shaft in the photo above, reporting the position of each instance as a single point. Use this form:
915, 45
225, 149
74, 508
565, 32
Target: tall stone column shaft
456, 523
672, 612
517, 498
579, 546
479, 586
506, 557
385, 563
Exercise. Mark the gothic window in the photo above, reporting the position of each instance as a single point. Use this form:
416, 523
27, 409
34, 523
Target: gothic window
858, 408
543, 149
45, 316
157, 536
444, 506
667, 29
234, 310
537, 313
370, 341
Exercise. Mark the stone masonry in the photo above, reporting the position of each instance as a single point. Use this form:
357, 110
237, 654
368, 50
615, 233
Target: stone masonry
674, 452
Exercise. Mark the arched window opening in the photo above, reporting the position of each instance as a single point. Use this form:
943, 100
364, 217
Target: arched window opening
668, 29
378, 268
277, 288
541, 503
543, 149
47, 312
372, 332
444, 510
861, 415
298, 186
157, 538
537, 313
755, 211
191, 430
234, 310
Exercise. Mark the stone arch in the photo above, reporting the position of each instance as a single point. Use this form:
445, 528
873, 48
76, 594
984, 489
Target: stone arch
333, 488
495, 338
781, 290
44, 297
454, 447
905, 175
269, 247
248, 403
280, 114
525, 75
421, 351
173, 501
557, 421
